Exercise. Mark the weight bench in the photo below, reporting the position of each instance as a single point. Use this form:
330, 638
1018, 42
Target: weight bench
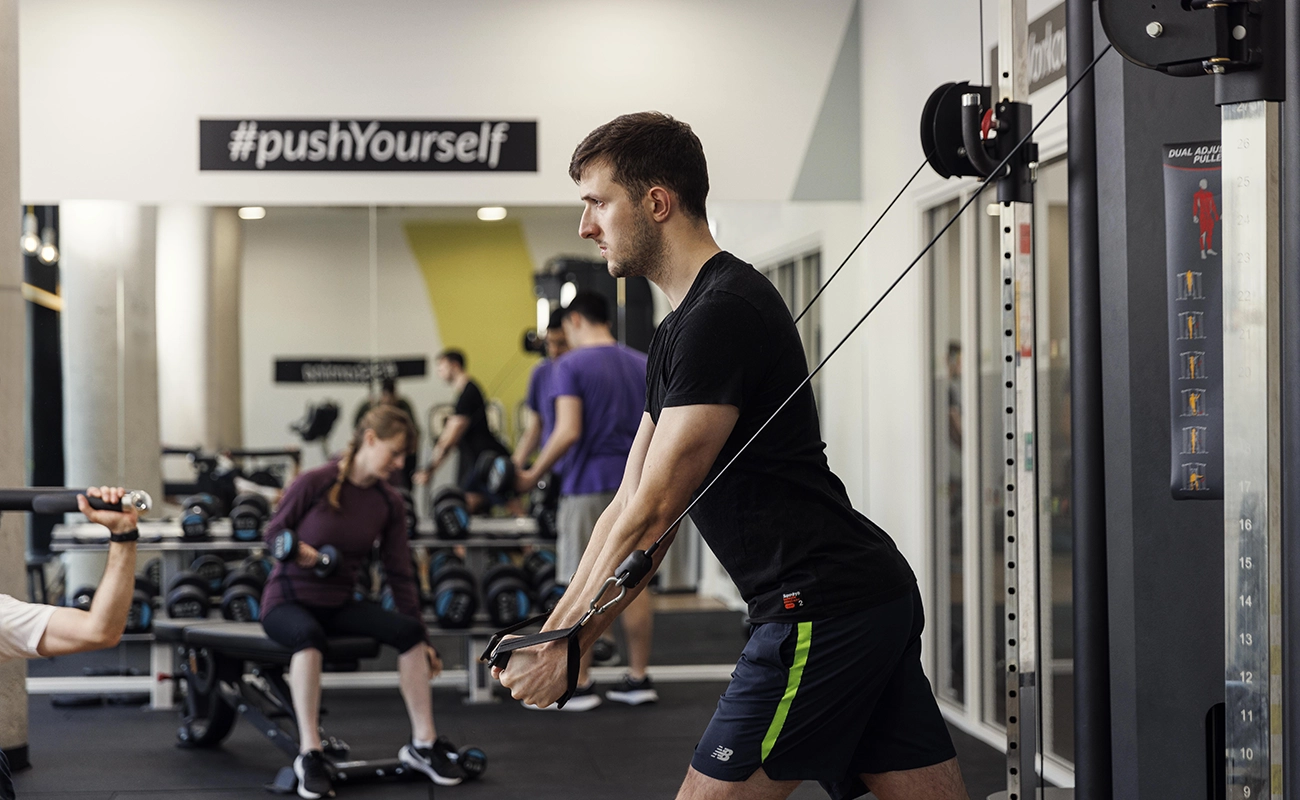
212, 657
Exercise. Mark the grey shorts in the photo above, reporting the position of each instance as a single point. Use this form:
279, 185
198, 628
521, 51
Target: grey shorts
576, 518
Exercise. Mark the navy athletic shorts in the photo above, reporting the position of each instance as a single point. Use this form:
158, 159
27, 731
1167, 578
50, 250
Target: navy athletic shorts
829, 700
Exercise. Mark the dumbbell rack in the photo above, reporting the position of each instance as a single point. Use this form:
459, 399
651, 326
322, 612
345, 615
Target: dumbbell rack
164, 538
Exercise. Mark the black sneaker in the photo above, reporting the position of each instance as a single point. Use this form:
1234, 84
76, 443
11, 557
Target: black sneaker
634, 693
313, 775
436, 762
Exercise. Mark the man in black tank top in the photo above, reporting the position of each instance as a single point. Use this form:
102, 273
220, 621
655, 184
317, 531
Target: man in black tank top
830, 687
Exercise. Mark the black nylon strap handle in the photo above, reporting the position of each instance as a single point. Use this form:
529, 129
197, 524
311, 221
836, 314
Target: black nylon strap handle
498, 651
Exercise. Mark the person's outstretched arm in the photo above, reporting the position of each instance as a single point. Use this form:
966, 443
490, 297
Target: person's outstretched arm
72, 630
529, 441
568, 430
674, 457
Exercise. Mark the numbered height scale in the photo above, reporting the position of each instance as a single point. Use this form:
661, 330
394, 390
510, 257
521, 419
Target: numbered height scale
1252, 585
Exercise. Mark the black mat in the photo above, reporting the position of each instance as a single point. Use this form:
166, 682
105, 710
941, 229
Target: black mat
613, 751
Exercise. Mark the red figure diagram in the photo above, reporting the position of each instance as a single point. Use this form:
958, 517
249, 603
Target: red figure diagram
1205, 213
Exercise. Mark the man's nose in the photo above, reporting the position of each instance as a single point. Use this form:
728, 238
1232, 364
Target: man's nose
586, 227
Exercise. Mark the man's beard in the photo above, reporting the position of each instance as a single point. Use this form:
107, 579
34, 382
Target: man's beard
643, 253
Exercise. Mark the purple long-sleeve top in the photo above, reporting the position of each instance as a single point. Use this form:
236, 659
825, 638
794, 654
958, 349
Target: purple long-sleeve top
364, 517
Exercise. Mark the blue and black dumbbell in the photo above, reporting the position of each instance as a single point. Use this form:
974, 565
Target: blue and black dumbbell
188, 596
453, 591
540, 569
249, 512
507, 595
241, 596
197, 513
471, 759
450, 513
497, 473
284, 548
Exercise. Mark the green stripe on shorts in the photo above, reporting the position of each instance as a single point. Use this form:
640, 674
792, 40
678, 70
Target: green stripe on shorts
791, 688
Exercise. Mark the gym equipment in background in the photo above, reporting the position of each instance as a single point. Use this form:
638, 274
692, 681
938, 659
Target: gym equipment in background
249, 512
450, 513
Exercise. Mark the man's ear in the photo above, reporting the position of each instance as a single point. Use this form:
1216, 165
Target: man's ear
659, 203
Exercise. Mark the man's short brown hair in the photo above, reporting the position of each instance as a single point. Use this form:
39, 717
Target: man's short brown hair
649, 149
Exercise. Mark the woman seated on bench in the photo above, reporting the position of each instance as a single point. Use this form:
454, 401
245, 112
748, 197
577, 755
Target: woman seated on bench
350, 505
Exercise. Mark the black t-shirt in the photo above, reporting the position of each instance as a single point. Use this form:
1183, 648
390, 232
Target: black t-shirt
779, 520
477, 437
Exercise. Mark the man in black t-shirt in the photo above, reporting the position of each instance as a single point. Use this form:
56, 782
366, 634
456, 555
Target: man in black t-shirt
830, 687
466, 431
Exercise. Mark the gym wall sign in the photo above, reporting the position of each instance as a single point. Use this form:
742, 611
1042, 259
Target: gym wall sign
368, 145
344, 370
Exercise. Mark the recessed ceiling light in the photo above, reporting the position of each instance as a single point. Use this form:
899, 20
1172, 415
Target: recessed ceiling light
252, 212
491, 213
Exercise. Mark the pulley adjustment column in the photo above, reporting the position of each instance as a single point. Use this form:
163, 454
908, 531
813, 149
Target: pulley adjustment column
1016, 215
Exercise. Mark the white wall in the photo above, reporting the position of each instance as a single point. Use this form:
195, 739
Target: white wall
765, 233
112, 92
306, 292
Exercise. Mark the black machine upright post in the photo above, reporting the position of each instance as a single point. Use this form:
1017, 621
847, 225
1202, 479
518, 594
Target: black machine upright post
1092, 738
1290, 386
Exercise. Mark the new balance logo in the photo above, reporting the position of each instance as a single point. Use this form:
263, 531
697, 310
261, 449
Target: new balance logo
723, 753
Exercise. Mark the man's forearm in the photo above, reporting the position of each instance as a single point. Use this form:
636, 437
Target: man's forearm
527, 443
633, 526
451, 433
555, 448
575, 595
112, 602
599, 623
70, 630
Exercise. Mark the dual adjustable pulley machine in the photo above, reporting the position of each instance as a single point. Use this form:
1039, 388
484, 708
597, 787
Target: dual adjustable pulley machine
1242, 44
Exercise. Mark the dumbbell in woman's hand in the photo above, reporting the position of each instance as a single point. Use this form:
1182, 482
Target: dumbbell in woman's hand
286, 547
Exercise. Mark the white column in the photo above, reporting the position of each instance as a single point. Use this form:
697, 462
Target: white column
13, 319
224, 373
184, 298
110, 383
110, 351
199, 255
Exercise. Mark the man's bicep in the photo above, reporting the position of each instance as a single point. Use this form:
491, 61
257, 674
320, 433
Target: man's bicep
686, 443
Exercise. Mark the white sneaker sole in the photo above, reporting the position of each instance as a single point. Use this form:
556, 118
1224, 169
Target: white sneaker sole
584, 702
302, 790
420, 765
635, 698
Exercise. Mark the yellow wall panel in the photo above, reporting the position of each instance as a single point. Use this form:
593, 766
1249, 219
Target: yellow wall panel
480, 281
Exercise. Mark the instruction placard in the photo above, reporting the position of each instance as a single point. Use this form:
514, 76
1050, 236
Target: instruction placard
1194, 275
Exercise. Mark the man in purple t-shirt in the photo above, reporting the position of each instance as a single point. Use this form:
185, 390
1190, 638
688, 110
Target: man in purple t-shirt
540, 400
599, 389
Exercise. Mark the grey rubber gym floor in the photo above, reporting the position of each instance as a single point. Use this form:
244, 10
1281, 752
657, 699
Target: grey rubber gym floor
129, 753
